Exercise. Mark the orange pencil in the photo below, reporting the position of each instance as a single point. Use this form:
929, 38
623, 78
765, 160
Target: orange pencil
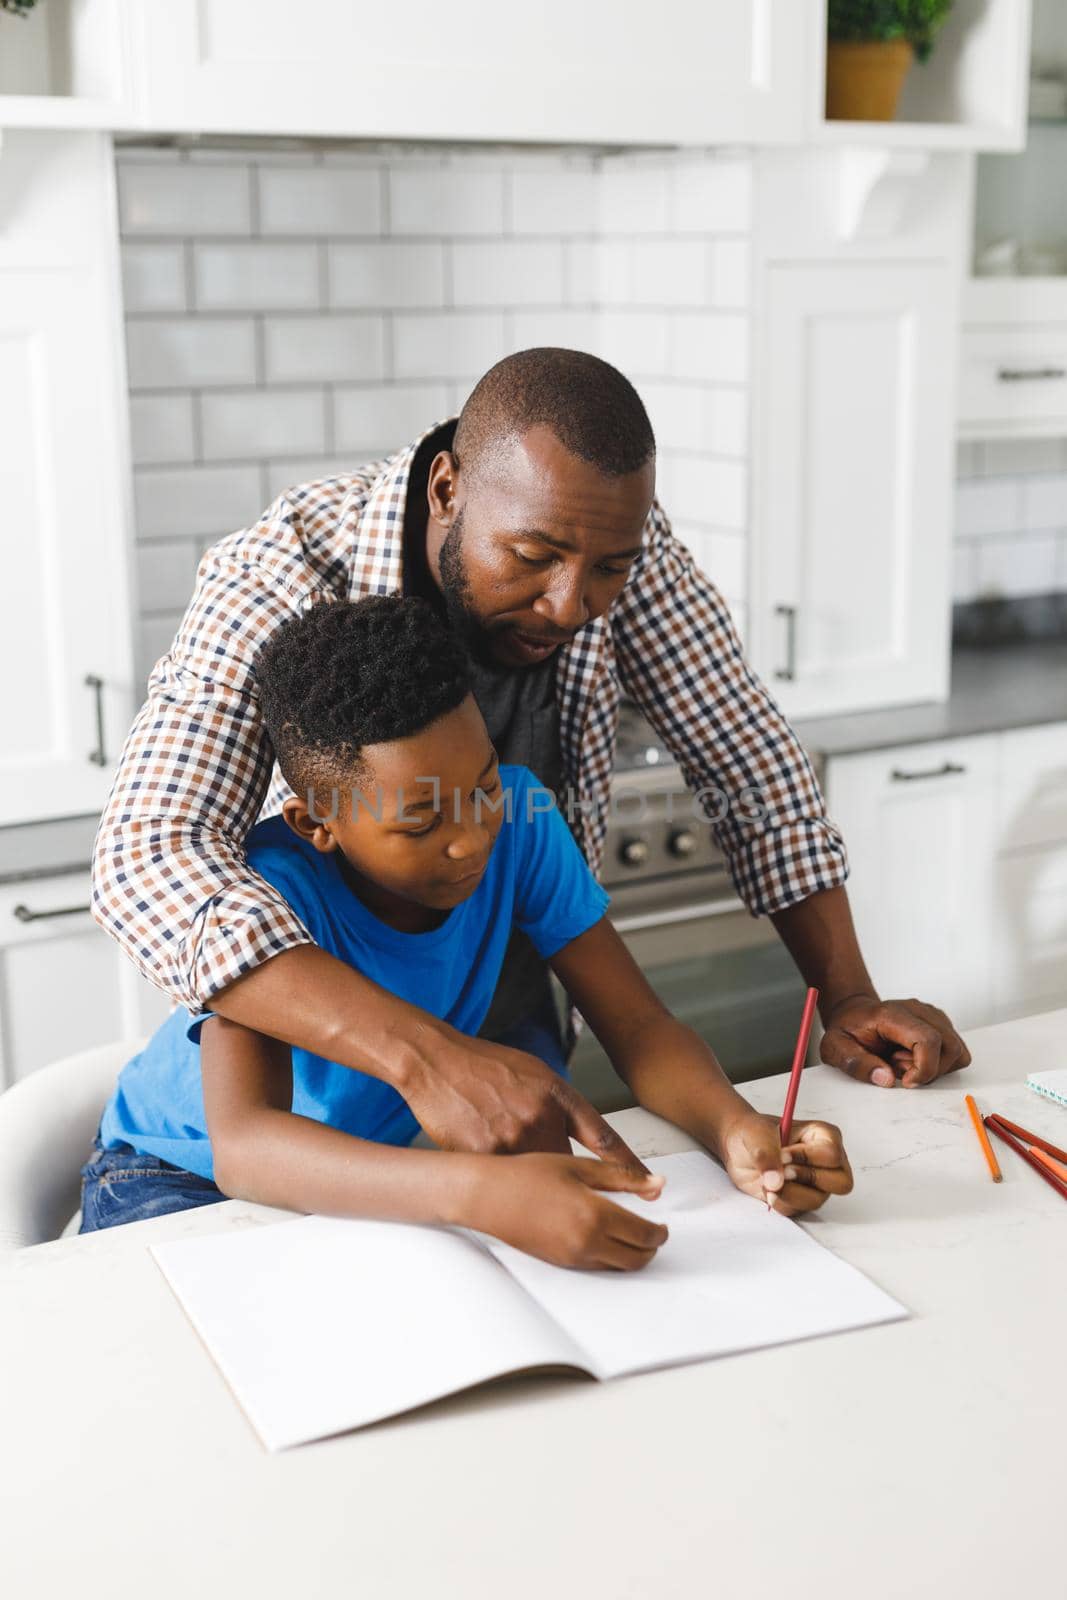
983, 1139
1046, 1161
1031, 1161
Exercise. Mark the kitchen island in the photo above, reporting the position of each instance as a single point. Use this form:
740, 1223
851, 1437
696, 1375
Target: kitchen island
920, 1458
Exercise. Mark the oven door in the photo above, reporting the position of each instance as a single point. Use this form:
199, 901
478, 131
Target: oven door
724, 973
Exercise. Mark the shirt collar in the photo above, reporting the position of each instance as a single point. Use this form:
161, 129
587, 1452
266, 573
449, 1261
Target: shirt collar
378, 557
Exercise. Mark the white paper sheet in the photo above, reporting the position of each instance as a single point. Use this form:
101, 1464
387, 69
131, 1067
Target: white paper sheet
732, 1276
321, 1325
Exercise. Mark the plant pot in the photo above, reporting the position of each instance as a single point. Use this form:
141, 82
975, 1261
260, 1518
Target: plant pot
864, 78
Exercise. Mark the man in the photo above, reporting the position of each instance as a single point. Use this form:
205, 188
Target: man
531, 525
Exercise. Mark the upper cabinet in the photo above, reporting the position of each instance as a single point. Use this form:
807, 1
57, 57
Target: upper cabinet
600, 72
64, 474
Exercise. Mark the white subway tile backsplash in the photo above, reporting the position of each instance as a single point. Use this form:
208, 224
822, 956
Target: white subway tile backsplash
964, 571
557, 201
692, 417
190, 352
711, 347
257, 424
712, 195
1019, 565
987, 505
200, 502
387, 274
597, 272
672, 272
153, 276
436, 201
449, 345
291, 471
634, 199
1003, 457
161, 429
184, 200
256, 277
325, 201
711, 494
507, 273
323, 348
386, 417
166, 573
634, 341
1044, 500
731, 273
571, 330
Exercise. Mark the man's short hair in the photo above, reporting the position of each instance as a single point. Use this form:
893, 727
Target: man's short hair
345, 674
594, 411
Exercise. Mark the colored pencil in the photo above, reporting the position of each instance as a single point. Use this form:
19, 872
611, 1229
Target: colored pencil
1031, 1161
1056, 1167
1030, 1138
785, 1127
983, 1139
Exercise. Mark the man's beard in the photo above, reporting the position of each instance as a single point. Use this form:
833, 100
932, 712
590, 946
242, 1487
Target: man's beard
459, 599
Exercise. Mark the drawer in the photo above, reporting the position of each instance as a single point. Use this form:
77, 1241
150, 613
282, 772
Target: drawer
1013, 378
43, 908
1032, 787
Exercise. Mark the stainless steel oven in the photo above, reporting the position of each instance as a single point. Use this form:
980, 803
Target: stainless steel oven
717, 968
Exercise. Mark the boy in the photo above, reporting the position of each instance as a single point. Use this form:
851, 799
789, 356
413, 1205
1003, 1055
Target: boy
408, 852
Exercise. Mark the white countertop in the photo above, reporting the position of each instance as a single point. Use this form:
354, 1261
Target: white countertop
924, 1458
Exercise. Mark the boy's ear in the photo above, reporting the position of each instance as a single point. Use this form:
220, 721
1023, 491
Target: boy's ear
312, 825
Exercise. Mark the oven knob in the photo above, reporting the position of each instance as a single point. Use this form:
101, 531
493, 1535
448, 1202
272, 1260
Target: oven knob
633, 852
682, 842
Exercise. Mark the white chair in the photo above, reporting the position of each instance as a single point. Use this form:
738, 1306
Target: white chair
47, 1124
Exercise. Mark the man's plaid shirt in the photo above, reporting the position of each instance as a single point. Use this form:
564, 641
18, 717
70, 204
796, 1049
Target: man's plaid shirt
170, 880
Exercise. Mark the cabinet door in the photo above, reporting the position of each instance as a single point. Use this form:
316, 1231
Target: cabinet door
919, 825
1030, 883
852, 501
605, 70
65, 658
64, 985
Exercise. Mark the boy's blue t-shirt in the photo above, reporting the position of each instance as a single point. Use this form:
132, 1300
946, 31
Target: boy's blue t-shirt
536, 879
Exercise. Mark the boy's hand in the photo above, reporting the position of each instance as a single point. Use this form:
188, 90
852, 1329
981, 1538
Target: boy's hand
549, 1206
795, 1178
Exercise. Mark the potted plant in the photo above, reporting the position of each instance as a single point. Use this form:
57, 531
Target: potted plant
870, 46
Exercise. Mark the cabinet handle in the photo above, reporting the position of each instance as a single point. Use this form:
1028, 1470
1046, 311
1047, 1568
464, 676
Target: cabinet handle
1029, 374
24, 914
947, 769
98, 757
789, 671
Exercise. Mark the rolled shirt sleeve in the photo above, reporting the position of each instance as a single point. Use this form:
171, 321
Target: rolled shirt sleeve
680, 659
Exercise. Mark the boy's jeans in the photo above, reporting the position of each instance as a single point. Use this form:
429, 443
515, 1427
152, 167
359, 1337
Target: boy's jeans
122, 1186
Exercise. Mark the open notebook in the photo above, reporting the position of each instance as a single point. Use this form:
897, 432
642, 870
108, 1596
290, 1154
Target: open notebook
321, 1325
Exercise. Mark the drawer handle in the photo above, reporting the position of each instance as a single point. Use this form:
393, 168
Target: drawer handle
98, 757
947, 769
789, 671
1030, 374
24, 914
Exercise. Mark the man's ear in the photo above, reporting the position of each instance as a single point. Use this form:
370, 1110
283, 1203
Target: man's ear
312, 826
441, 488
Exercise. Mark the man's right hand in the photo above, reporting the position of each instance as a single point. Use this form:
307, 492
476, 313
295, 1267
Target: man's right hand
489, 1099
550, 1207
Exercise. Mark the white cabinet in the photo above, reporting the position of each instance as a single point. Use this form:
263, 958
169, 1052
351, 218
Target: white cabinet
1030, 876
605, 70
853, 504
65, 658
1013, 359
64, 985
958, 852
919, 823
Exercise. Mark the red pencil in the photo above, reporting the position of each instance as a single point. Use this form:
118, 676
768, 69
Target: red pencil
785, 1127
1030, 1138
1031, 1161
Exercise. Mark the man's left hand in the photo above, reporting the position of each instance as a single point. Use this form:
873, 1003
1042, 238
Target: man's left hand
887, 1042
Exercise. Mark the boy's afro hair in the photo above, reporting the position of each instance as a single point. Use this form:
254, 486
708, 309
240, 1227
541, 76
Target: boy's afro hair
346, 674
